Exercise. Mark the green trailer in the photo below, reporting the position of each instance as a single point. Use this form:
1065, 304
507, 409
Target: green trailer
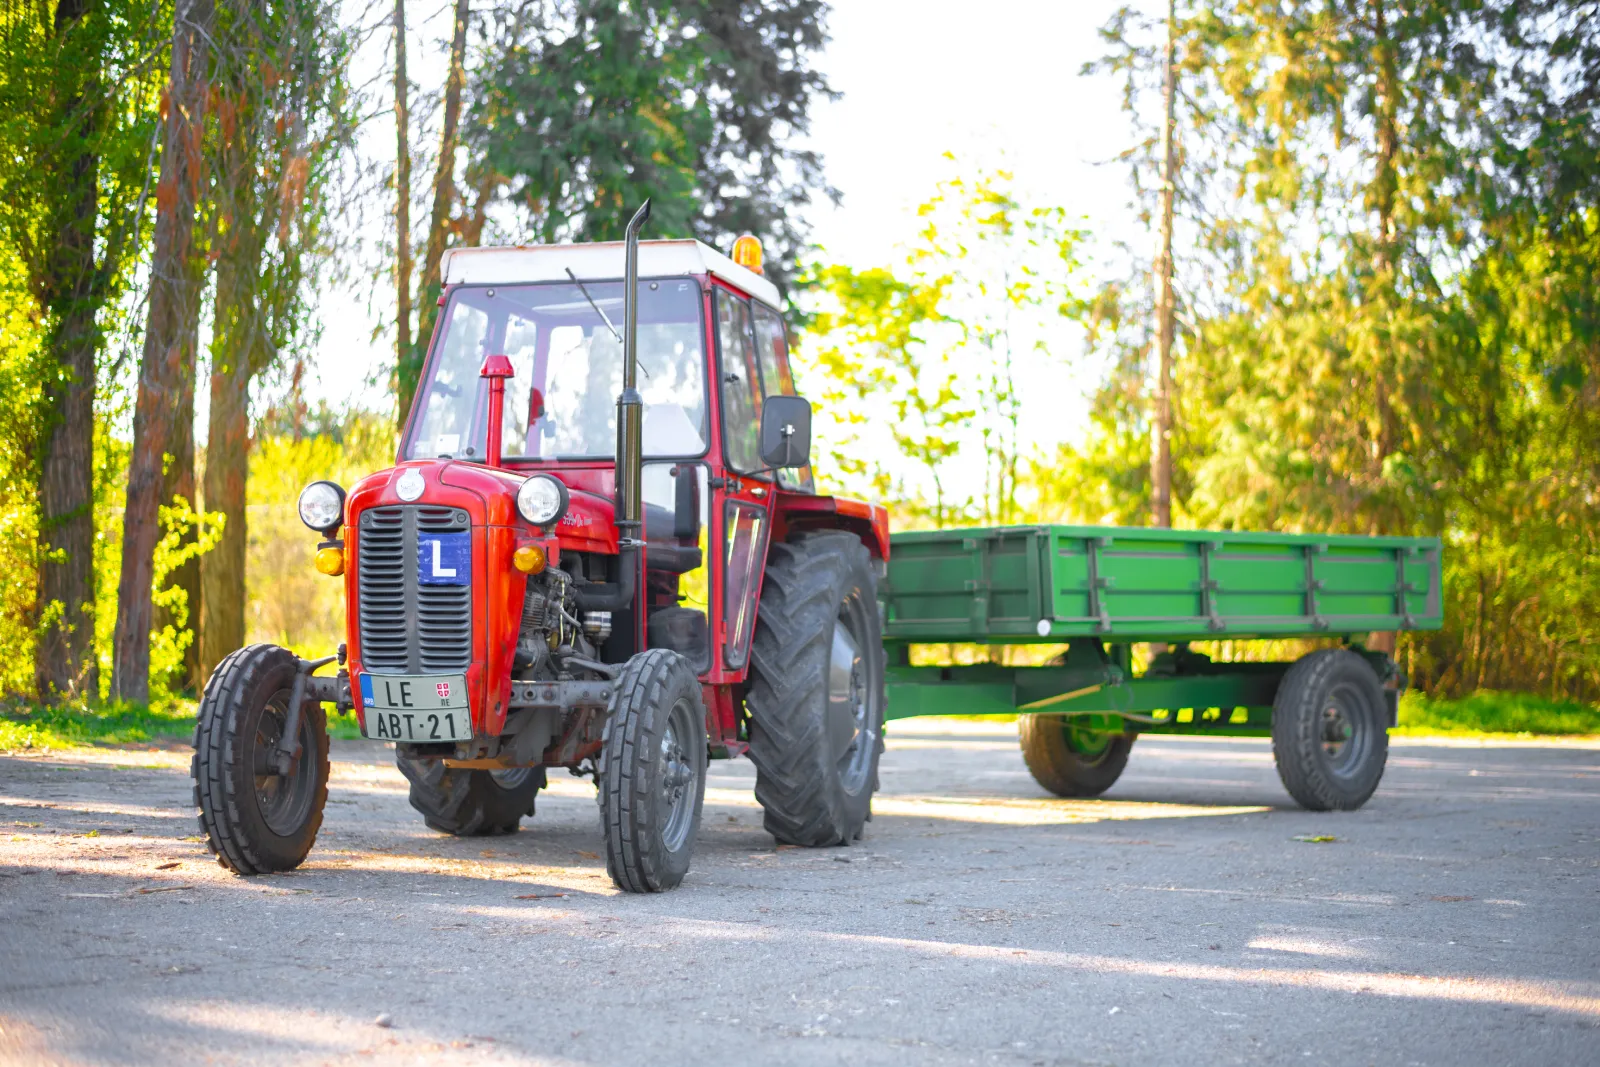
1102, 590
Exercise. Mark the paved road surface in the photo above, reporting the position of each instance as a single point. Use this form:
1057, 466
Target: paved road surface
1180, 920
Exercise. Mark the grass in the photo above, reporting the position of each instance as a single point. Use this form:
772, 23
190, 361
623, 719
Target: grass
28, 727
1494, 714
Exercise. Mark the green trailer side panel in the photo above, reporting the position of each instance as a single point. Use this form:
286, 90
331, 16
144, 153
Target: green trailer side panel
1019, 584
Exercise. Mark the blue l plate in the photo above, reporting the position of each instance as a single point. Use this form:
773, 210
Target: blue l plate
444, 559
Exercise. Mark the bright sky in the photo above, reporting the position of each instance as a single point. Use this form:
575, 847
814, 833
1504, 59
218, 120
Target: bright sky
997, 84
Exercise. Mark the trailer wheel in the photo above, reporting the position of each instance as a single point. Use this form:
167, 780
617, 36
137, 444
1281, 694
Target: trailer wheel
255, 819
816, 695
1070, 762
652, 772
1329, 730
471, 803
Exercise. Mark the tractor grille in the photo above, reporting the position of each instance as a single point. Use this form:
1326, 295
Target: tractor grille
407, 627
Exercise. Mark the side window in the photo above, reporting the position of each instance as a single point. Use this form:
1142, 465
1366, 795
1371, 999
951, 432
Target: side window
741, 383
772, 349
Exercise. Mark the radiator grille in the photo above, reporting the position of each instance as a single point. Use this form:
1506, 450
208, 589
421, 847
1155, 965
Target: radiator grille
406, 627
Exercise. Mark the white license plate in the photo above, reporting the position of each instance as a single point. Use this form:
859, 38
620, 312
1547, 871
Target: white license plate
416, 708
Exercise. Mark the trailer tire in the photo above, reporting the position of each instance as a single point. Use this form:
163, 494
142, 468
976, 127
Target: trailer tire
652, 773
1329, 730
816, 695
471, 803
255, 822
1061, 762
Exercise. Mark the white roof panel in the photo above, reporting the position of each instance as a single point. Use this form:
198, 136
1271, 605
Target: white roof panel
601, 261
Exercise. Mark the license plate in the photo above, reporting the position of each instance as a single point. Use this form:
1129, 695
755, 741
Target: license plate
416, 709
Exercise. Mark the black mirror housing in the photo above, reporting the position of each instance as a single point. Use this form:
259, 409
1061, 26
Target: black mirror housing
785, 432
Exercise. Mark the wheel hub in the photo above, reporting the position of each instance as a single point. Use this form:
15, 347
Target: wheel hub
676, 780
849, 715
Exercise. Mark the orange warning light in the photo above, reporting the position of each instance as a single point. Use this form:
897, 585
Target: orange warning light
747, 253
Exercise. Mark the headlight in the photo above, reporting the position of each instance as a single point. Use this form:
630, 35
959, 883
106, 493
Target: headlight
322, 506
542, 500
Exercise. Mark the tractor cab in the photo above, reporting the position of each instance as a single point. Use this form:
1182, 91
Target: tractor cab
600, 548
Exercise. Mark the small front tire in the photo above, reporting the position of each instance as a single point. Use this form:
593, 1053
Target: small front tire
256, 820
652, 772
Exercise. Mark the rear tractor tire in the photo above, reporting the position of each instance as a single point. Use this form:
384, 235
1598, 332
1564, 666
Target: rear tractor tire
256, 819
652, 772
816, 697
1070, 762
1330, 735
471, 803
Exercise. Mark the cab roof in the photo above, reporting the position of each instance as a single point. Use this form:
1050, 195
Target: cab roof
600, 261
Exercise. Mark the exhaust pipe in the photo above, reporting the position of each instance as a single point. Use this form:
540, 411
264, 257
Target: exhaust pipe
630, 406
629, 504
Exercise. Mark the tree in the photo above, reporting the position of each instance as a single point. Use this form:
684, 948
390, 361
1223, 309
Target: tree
409, 369
166, 366
405, 373
284, 113
77, 95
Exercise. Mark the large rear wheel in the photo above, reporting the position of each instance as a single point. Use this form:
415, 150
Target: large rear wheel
816, 695
258, 818
1069, 761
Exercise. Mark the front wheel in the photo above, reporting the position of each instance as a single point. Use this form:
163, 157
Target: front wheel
652, 772
256, 819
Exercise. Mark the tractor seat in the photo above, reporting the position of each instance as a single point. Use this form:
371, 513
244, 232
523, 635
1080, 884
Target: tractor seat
662, 551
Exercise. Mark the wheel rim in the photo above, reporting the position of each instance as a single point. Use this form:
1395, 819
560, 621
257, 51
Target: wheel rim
677, 782
284, 800
1343, 730
1092, 747
852, 698
511, 778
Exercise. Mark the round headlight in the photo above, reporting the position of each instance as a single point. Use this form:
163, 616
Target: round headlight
542, 500
322, 506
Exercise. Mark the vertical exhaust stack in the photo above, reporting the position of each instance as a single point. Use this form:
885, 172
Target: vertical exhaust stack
630, 406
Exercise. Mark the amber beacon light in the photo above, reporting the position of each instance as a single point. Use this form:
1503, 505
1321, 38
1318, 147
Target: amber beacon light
747, 253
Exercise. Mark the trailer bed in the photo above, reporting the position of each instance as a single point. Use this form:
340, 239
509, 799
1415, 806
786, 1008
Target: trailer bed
1022, 584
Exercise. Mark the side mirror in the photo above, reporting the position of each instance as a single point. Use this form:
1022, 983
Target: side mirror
785, 432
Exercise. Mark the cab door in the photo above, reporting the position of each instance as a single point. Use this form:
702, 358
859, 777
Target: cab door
743, 511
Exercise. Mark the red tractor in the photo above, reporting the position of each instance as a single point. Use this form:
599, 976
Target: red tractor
599, 548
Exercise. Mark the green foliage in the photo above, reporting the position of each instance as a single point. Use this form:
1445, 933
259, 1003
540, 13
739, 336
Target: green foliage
186, 534
70, 725
1488, 712
1388, 308
580, 109
290, 603
927, 358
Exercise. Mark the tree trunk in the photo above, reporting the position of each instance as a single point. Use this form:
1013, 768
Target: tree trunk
64, 662
1161, 422
168, 355
236, 349
402, 215
444, 187
222, 572
178, 483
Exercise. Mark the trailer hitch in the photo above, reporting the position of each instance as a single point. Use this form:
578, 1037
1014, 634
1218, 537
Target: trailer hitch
289, 740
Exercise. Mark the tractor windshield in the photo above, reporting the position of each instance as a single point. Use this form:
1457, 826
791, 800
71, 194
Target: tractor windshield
562, 401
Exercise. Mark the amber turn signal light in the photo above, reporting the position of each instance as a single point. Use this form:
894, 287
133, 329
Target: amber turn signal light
529, 559
330, 561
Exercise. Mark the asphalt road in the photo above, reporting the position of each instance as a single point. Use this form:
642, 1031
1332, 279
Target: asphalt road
1183, 919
